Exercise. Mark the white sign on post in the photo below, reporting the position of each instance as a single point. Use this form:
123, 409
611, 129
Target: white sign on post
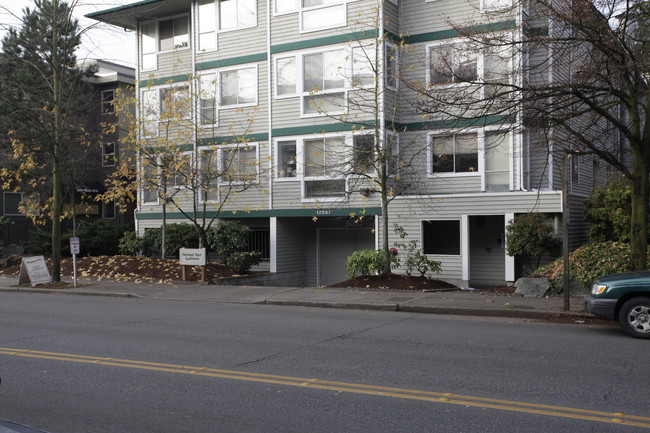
74, 245
192, 256
34, 270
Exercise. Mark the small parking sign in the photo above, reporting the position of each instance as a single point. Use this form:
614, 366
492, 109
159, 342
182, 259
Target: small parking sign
74, 245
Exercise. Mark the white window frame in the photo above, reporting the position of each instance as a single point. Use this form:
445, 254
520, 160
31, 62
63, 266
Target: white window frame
480, 134
450, 44
142, 182
159, 105
295, 9
177, 185
215, 79
298, 159
108, 104
237, 68
453, 132
216, 182
113, 155
347, 76
388, 48
342, 4
158, 51
346, 139
276, 74
480, 63
485, 7
510, 139
239, 146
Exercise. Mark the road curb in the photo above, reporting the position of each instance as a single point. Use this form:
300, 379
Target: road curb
340, 305
63, 292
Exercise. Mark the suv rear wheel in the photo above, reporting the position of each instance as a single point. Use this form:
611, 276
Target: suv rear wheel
634, 316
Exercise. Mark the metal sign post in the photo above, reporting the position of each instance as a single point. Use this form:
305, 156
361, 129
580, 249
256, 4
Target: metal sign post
74, 249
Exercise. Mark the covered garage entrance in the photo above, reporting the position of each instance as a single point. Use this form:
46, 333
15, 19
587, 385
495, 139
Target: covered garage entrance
334, 246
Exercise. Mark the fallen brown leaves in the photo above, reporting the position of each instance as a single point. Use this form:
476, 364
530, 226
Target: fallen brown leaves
130, 268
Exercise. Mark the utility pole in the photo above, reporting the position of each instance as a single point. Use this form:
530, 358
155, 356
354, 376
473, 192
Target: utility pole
565, 231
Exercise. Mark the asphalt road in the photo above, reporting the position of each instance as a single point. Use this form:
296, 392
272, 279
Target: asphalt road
73, 364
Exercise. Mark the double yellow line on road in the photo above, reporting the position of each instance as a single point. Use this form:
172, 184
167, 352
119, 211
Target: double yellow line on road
411, 394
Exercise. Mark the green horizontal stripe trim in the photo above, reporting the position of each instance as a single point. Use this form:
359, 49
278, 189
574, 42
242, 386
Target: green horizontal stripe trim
260, 57
316, 129
234, 139
455, 123
319, 42
295, 213
164, 80
453, 33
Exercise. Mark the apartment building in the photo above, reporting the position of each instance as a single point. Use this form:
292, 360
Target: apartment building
292, 95
93, 166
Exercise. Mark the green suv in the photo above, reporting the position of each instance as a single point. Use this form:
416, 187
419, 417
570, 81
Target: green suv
623, 297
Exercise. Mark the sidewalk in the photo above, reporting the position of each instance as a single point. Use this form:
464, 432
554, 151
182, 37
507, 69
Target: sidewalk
466, 302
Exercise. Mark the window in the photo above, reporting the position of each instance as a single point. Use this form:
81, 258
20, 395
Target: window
441, 237
164, 104
108, 210
497, 161
322, 79
210, 173
451, 64
464, 62
322, 14
239, 164
287, 159
108, 98
148, 37
173, 34
391, 66
496, 71
238, 86
236, 14
286, 6
176, 169
108, 154
286, 76
161, 36
493, 5
363, 73
223, 15
175, 102
324, 159
12, 202
324, 156
324, 82
208, 99
149, 182
207, 25
363, 154
456, 153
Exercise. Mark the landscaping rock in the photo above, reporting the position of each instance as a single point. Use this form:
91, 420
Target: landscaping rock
11, 250
533, 287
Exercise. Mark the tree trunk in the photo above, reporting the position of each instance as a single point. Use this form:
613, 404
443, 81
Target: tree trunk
639, 218
57, 78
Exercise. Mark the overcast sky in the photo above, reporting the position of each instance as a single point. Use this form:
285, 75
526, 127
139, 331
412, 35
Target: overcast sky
100, 42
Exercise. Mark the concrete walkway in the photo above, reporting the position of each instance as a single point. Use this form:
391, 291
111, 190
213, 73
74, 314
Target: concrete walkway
477, 302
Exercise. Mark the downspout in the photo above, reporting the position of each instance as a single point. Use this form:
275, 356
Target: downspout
382, 101
137, 116
269, 72
195, 120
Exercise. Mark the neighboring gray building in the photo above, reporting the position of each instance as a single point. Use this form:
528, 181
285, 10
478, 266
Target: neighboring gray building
95, 165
